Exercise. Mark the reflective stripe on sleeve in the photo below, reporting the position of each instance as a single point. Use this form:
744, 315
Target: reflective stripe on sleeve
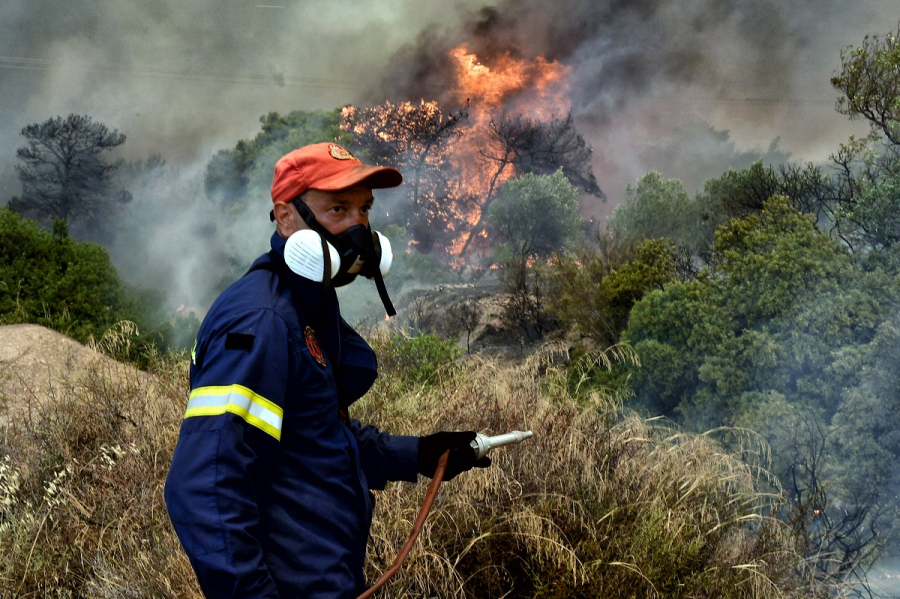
255, 409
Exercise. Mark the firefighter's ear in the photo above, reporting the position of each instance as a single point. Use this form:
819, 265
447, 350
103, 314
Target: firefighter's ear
287, 219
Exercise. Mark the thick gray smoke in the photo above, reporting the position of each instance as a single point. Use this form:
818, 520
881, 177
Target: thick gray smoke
643, 70
185, 79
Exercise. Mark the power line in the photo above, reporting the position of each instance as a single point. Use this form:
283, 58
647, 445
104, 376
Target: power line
41, 64
277, 80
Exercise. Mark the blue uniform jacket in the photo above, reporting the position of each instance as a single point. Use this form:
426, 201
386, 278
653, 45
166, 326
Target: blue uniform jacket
269, 484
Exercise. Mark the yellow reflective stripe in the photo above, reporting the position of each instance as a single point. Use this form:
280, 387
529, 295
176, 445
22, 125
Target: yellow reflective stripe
255, 409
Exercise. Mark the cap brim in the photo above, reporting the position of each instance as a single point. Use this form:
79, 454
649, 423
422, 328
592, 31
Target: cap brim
373, 177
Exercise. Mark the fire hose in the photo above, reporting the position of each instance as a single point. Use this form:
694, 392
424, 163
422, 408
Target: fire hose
481, 446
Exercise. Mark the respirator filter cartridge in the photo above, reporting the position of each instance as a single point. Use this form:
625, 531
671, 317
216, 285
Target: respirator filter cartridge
303, 255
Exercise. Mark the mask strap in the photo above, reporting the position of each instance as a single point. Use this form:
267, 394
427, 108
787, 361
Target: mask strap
383, 294
310, 219
326, 273
379, 280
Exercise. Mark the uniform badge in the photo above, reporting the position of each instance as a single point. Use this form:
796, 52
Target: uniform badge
313, 344
340, 153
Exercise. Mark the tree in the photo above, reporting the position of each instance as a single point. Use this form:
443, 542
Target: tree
870, 81
866, 214
419, 140
654, 208
777, 337
868, 170
658, 208
740, 193
525, 304
537, 215
233, 176
593, 294
467, 314
65, 173
49, 279
517, 145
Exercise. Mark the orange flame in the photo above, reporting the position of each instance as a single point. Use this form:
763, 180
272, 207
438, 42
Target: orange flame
535, 88
543, 83
493, 89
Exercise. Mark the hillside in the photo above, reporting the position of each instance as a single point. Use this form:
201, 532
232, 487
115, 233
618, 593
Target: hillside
599, 503
471, 314
37, 363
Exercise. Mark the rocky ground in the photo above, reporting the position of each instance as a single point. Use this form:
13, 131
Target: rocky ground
467, 312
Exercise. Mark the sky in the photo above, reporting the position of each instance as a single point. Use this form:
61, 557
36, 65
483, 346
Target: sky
186, 78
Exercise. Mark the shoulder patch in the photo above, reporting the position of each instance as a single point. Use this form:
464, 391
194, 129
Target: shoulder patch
239, 341
313, 344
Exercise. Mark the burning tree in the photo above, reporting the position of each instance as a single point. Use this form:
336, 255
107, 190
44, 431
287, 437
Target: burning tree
419, 139
517, 145
456, 162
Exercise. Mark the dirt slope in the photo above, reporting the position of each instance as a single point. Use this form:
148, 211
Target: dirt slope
37, 364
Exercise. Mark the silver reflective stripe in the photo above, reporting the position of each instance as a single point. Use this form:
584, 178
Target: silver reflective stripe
255, 409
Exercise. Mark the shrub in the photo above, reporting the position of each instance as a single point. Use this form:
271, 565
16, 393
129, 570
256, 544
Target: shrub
414, 360
592, 294
57, 282
525, 302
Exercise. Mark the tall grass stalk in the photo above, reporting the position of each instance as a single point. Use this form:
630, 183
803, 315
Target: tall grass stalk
599, 503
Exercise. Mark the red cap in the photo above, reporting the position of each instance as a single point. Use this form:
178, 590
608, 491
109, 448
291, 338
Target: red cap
329, 167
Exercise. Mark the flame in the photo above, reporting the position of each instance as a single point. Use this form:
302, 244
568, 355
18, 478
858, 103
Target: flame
499, 87
537, 88
492, 89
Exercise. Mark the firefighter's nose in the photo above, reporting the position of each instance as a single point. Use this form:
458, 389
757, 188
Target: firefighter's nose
359, 218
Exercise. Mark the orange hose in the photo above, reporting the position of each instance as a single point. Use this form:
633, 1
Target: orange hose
417, 526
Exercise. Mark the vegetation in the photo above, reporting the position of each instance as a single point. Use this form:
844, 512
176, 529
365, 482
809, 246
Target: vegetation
64, 173
81, 479
870, 85
600, 502
235, 176
593, 292
536, 216
419, 140
758, 317
50, 279
47, 278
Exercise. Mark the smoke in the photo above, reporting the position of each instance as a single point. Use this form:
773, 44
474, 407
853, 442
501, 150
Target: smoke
182, 78
642, 70
185, 79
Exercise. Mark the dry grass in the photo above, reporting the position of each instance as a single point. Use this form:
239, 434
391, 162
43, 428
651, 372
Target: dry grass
81, 486
599, 503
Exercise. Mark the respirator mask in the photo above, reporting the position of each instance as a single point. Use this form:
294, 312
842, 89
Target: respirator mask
310, 253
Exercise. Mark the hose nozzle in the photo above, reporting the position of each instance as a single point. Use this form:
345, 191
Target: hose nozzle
483, 444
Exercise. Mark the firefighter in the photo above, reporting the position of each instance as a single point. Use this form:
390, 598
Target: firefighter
269, 487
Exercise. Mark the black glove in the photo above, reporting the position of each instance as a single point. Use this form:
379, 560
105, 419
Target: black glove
462, 456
